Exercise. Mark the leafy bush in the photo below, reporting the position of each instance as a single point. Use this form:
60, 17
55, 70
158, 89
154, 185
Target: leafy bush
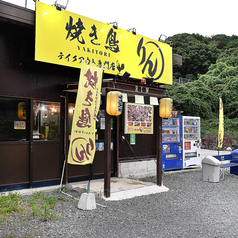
194, 99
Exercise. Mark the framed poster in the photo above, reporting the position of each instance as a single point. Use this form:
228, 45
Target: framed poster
139, 118
19, 125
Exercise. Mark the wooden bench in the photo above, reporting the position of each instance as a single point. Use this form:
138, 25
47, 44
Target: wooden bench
232, 164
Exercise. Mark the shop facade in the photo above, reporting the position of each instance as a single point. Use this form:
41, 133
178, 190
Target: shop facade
36, 105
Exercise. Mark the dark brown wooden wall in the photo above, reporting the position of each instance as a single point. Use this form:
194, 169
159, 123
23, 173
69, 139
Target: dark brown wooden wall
20, 75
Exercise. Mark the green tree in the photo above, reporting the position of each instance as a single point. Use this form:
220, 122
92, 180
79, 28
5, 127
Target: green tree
229, 56
194, 99
200, 98
222, 79
232, 44
214, 62
198, 54
224, 42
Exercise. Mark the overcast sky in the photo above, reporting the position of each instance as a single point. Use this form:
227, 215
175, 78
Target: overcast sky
151, 18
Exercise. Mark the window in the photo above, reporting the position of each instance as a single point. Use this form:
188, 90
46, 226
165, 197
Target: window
46, 120
14, 119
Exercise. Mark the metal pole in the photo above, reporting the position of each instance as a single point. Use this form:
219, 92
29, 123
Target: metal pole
62, 175
90, 177
66, 135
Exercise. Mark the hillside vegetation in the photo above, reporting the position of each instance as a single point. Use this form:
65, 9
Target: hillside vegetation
213, 64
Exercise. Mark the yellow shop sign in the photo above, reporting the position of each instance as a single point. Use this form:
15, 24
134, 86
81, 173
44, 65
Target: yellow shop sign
66, 38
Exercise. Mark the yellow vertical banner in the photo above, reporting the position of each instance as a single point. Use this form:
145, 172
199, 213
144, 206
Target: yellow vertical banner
221, 124
82, 142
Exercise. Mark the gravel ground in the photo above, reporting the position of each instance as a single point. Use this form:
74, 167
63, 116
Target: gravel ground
191, 208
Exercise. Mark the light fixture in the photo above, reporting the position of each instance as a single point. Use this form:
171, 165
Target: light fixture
143, 81
114, 24
22, 110
162, 38
133, 30
61, 4
114, 103
42, 107
165, 110
53, 110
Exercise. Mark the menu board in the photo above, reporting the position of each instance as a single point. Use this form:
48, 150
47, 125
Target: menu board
138, 118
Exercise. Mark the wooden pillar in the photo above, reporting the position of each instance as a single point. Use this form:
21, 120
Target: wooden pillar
107, 154
159, 147
116, 141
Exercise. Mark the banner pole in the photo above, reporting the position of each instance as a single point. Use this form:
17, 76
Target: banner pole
90, 177
62, 175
